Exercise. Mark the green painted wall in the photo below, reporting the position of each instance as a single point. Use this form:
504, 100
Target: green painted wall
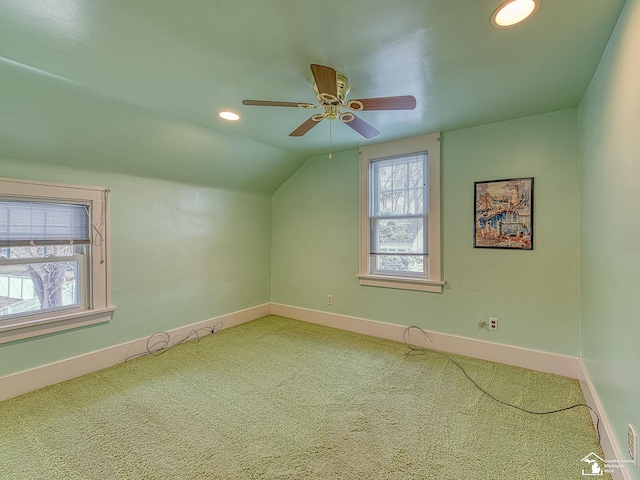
610, 227
181, 254
534, 294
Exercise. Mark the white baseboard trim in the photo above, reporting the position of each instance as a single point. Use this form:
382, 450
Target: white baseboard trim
495, 352
39, 377
607, 439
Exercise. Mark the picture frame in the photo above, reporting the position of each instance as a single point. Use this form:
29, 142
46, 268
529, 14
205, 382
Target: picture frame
503, 214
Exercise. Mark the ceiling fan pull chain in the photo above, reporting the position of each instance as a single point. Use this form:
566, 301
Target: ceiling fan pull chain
330, 144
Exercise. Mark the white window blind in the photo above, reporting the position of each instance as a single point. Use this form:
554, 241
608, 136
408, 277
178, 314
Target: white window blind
25, 222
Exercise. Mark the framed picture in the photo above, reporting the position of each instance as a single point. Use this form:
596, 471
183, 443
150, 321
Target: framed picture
503, 214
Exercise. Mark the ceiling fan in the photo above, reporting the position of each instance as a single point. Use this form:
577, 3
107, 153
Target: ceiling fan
331, 88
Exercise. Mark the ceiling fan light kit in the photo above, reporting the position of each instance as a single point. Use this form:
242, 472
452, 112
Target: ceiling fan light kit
331, 89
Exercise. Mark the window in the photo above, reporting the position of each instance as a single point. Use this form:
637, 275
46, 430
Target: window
54, 269
400, 214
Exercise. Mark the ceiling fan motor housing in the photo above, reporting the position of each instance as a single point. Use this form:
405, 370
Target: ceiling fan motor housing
331, 104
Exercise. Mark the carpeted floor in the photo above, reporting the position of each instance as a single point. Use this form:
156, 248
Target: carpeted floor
282, 399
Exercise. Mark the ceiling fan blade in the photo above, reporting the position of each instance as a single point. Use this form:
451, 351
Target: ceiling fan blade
362, 127
404, 102
326, 80
267, 103
305, 127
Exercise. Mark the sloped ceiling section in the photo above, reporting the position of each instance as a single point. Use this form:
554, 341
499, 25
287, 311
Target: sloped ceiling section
135, 87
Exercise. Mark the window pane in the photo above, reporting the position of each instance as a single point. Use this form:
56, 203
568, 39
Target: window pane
14, 253
399, 263
399, 186
38, 286
398, 235
398, 218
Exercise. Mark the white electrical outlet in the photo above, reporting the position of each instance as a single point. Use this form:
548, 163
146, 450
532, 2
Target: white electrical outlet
493, 323
329, 299
632, 444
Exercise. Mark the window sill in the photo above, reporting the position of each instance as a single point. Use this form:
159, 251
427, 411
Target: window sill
404, 283
19, 329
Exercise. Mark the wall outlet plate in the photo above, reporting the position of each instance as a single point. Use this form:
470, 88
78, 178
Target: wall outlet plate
632, 444
493, 323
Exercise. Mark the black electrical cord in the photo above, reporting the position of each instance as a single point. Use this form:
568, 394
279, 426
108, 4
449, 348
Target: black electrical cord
406, 336
162, 341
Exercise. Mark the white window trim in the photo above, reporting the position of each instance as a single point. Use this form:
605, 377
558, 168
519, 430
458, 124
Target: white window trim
432, 282
98, 308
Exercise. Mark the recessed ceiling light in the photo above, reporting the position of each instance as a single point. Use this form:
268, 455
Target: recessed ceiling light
229, 116
513, 12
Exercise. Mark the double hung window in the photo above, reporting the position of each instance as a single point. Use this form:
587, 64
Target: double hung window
53, 258
400, 215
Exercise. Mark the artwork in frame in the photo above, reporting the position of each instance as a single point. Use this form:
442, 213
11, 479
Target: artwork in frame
503, 214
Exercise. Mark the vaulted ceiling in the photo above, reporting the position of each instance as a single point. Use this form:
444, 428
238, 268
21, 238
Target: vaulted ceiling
134, 86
